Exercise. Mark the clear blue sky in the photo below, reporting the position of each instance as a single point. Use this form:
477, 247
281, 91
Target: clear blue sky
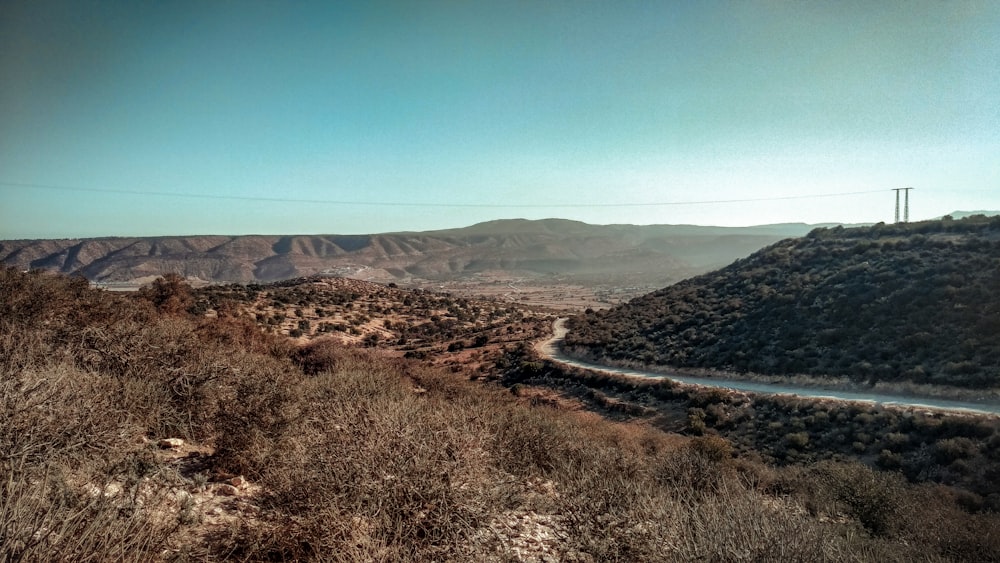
328, 117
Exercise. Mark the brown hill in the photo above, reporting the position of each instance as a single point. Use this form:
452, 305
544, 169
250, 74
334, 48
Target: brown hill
648, 254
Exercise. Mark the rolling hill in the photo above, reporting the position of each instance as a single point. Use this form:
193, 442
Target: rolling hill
657, 254
915, 303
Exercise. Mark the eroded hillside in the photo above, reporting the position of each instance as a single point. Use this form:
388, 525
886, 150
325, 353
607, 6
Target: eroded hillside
559, 252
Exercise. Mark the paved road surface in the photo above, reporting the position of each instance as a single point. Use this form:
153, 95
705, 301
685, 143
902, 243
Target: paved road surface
551, 349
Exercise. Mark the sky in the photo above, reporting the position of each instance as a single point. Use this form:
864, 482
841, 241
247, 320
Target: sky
183, 118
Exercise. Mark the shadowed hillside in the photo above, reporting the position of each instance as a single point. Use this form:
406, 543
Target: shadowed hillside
915, 302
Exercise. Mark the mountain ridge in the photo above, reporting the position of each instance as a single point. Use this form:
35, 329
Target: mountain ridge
654, 253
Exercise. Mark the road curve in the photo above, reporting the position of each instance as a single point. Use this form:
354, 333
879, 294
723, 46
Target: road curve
551, 349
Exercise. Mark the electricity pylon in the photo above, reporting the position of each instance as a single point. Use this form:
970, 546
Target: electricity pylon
906, 204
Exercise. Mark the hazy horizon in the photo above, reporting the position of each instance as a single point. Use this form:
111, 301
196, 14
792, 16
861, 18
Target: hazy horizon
120, 119
459, 227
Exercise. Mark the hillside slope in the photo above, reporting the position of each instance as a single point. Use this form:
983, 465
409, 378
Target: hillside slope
135, 432
914, 302
658, 254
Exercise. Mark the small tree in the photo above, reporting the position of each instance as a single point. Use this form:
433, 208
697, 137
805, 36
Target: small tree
170, 294
371, 339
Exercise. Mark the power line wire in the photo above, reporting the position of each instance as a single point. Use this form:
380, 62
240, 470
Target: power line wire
420, 204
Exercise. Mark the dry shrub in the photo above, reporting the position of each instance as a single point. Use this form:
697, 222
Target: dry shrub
37, 298
44, 518
359, 467
757, 475
172, 371
41, 316
241, 333
530, 441
170, 294
22, 349
703, 465
623, 498
872, 498
320, 356
164, 369
738, 524
88, 374
612, 509
931, 519
62, 429
62, 413
137, 349
256, 416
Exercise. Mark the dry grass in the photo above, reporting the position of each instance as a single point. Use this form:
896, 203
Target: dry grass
361, 457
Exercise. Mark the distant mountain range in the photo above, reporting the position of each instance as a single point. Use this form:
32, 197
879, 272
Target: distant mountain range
656, 254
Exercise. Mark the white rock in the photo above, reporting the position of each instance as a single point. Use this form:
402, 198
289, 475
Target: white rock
112, 490
170, 443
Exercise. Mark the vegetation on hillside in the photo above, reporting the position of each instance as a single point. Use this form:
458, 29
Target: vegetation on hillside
336, 453
957, 450
889, 303
416, 323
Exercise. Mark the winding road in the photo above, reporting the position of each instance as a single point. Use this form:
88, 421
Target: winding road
551, 349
